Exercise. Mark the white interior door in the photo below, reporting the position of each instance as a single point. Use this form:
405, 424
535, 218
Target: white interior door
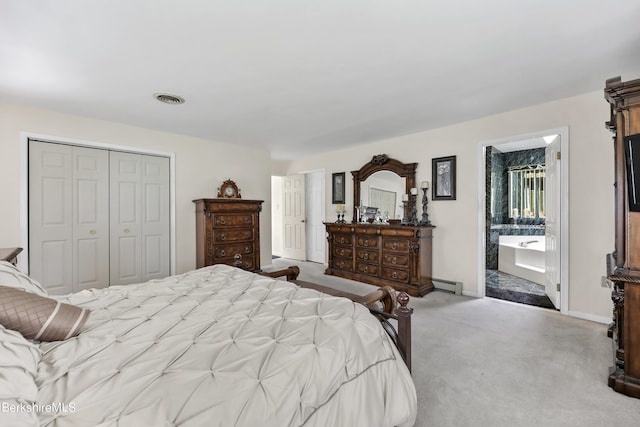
293, 194
314, 209
552, 202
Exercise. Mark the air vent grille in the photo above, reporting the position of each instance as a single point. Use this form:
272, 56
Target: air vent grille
167, 98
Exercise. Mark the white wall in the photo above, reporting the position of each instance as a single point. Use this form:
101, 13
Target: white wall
201, 166
455, 241
276, 216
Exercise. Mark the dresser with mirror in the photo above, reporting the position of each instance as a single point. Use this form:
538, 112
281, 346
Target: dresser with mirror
375, 250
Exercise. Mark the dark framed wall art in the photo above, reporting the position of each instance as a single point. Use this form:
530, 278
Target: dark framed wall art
443, 177
337, 185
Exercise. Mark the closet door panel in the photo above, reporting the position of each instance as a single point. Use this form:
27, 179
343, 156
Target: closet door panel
50, 216
125, 218
90, 218
155, 213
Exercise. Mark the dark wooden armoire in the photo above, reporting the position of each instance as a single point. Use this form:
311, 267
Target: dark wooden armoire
624, 264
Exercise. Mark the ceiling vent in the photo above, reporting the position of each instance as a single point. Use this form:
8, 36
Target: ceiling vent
167, 98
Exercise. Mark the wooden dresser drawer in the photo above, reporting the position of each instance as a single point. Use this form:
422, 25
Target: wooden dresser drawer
371, 256
231, 220
246, 262
343, 263
364, 268
342, 239
226, 251
396, 245
343, 251
395, 259
232, 235
232, 205
395, 274
367, 241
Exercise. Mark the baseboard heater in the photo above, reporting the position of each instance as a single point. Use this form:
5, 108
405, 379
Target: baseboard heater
448, 285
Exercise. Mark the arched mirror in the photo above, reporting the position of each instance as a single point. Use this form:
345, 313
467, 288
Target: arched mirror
381, 183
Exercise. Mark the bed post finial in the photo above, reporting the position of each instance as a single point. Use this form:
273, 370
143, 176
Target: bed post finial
404, 327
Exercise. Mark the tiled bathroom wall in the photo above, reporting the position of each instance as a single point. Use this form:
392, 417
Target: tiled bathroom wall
497, 199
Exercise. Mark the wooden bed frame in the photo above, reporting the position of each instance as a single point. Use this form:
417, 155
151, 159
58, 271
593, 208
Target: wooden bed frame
384, 303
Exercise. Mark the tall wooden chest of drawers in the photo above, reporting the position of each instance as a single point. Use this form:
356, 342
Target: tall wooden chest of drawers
228, 232
384, 255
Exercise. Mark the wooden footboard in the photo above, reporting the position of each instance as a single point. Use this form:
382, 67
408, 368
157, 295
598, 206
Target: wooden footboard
384, 303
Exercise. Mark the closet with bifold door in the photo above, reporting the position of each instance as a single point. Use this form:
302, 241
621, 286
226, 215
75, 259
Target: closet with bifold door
97, 217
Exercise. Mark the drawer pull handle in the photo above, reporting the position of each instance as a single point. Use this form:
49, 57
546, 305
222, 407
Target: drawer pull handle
247, 235
366, 243
394, 260
394, 275
222, 253
126, 230
394, 245
247, 220
222, 237
342, 252
92, 232
366, 255
222, 221
342, 240
247, 250
366, 269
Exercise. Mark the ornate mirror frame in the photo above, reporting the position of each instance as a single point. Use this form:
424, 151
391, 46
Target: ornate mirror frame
381, 162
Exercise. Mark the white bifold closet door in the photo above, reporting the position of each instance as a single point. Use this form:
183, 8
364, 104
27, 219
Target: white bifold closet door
139, 215
68, 216
96, 217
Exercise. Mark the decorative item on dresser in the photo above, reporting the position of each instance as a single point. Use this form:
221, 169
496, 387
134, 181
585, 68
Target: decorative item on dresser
229, 189
228, 232
624, 272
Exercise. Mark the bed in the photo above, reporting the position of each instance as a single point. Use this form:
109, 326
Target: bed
217, 346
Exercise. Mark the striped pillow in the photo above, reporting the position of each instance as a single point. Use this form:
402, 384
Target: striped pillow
39, 318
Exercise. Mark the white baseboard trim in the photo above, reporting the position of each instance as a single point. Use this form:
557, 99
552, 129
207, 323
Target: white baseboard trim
592, 317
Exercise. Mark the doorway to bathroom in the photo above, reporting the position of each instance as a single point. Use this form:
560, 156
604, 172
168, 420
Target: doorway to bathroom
522, 219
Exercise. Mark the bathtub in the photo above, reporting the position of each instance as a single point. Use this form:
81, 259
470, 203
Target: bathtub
522, 256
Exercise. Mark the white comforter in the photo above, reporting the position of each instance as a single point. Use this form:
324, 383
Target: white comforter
223, 347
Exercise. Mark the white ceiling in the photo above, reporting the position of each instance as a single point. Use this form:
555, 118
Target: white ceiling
298, 77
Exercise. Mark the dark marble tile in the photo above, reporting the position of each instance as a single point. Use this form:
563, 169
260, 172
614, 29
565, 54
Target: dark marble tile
516, 289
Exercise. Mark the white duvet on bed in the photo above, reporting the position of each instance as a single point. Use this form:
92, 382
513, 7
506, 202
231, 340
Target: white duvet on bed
223, 347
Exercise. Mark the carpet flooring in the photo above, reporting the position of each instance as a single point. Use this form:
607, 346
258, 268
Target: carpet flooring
489, 363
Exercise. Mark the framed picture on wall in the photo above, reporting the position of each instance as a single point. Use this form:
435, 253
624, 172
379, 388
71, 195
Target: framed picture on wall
337, 193
443, 178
